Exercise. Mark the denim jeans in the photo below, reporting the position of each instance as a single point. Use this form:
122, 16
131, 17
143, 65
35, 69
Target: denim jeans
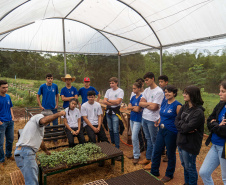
6, 130
164, 138
135, 128
150, 132
55, 121
188, 161
113, 125
212, 161
25, 160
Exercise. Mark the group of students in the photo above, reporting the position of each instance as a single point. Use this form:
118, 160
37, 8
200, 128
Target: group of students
164, 121
167, 123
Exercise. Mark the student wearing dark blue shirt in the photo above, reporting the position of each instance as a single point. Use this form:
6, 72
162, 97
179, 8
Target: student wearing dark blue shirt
68, 92
135, 119
217, 154
6, 123
50, 96
167, 134
84, 90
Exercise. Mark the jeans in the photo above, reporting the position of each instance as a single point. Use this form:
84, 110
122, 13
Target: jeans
164, 138
150, 132
188, 161
70, 136
25, 160
55, 121
6, 130
113, 125
212, 161
135, 128
92, 135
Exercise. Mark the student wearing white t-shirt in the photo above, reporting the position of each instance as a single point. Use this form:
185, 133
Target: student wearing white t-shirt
113, 99
151, 102
91, 112
72, 122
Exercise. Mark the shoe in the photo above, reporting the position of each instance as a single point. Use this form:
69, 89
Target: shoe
11, 158
165, 179
135, 161
165, 159
145, 161
130, 157
148, 166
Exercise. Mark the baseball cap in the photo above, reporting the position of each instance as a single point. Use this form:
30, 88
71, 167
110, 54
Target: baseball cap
86, 79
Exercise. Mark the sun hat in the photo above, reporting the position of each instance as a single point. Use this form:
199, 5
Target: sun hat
67, 76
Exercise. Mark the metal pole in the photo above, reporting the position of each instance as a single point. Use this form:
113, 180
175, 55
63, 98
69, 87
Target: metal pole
160, 60
65, 65
119, 70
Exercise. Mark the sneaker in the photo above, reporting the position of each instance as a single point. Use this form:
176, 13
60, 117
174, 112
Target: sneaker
130, 157
145, 161
165, 159
11, 158
147, 167
165, 179
135, 161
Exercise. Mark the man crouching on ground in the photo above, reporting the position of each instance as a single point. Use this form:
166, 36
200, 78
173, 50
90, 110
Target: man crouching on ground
30, 141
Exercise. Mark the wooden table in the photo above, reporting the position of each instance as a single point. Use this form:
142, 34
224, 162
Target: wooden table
111, 153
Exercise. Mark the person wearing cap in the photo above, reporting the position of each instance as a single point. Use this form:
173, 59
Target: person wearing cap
50, 96
68, 92
84, 90
31, 139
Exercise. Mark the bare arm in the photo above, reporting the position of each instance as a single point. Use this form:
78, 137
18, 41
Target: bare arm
47, 119
63, 98
143, 103
98, 97
130, 107
99, 122
106, 102
11, 110
153, 106
57, 100
178, 108
43, 147
39, 102
115, 102
89, 124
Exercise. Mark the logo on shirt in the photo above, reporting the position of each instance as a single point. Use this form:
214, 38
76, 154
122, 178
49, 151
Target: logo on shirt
53, 90
72, 92
169, 111
8, 102
95, 109
152, 97
76, 115
135, 104
116, 95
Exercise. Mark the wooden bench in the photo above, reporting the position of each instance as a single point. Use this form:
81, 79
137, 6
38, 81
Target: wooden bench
17, 178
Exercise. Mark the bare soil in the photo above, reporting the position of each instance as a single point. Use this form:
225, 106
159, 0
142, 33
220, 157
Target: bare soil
93, 172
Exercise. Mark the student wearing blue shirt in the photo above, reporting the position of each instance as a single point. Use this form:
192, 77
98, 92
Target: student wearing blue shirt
6, 123
217, 154
84, 90
135, 119
68, 92
50, 96
167, 134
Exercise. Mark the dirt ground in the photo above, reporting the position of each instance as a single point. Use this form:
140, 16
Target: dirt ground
93, 172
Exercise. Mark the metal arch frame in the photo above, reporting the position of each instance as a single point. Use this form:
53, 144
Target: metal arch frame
150, 28
13, 9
